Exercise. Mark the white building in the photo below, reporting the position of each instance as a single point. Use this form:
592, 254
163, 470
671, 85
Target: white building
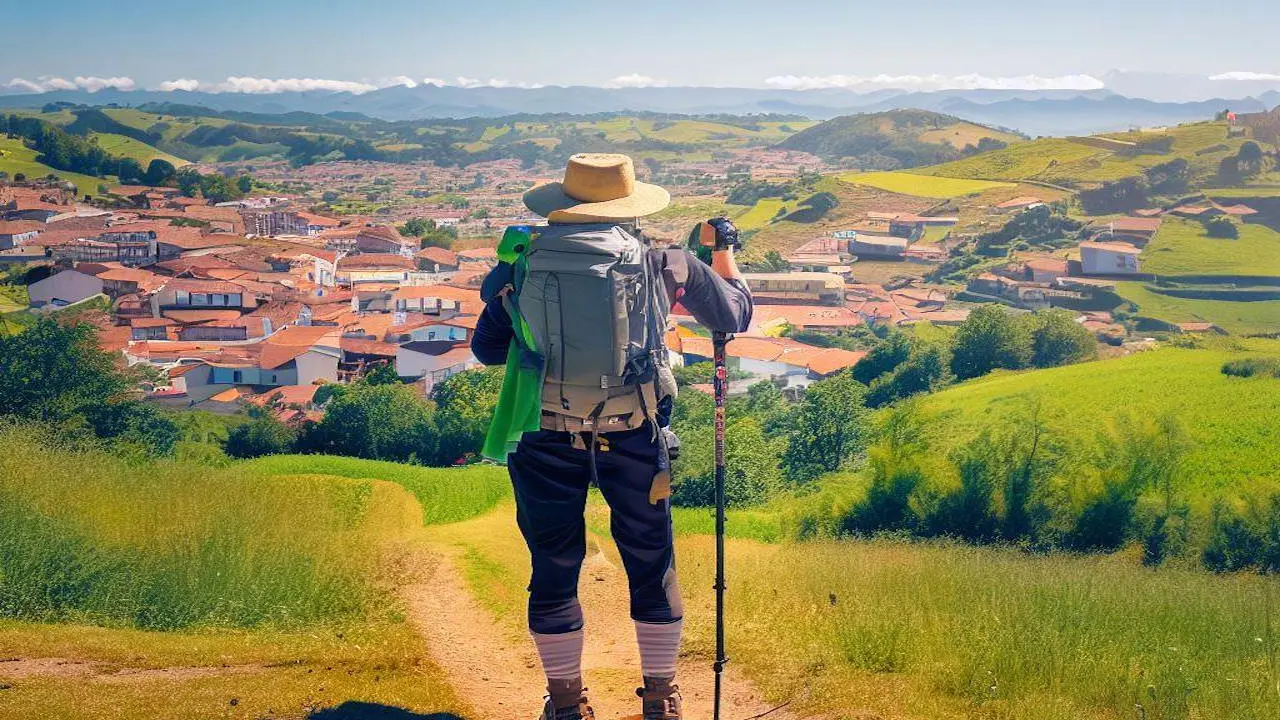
65, 288
1109, 258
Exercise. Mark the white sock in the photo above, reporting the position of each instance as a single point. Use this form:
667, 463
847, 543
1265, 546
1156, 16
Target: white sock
561, 654
659, 648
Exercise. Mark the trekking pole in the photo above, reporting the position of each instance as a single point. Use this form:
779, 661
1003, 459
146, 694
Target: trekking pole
720, 234
720, 384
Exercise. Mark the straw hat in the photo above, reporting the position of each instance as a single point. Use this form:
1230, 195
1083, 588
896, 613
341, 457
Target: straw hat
597, 187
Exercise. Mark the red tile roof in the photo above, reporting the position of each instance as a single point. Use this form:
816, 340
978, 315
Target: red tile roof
366, 261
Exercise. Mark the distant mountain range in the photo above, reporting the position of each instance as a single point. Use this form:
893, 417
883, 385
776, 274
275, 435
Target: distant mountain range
1053, 112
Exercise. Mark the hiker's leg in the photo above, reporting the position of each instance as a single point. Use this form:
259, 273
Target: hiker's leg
643, 534
550, 483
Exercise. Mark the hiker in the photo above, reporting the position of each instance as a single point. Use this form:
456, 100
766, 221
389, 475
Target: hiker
577, 310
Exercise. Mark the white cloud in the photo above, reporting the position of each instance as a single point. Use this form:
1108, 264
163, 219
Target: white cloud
262, 86
399, 80
636, 80
1246, 75
180, 84
47, 83
970, 81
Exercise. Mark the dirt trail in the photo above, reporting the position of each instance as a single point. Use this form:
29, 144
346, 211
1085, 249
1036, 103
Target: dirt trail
498, 671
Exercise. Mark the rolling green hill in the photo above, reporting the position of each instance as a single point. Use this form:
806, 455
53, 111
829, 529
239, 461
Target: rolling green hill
1182, 247
122, 146
16, 157
897, 139
1073, 161
1230, 420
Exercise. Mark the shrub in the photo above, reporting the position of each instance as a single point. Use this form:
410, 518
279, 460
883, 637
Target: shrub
988, 339
1233, 543
1220, 227
1249, 367
263, 435
895, 476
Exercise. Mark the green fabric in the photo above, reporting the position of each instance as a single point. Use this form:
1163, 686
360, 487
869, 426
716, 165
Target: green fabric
519, 407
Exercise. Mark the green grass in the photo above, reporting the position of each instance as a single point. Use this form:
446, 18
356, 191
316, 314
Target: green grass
1262, 191
445, 494
18, 158
920, 185
124, 146
761, 214
1229, 421
1242, 318
1181, 247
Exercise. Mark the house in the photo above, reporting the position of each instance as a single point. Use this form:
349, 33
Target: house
117, 281
433, 360
381, 239
295, 355
1138, 230
16, 232
146, 328
913, 226
324, 270
171, 244
1046, 270
65, 288
1109, 258
456, 329
242, 328
374, 268
81, 250
436, 299
802, 287
271, 222
189, 294
436, 259
1018, 204
486, 255
817, 318
877, 246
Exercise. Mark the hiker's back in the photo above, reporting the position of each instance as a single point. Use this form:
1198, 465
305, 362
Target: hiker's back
596, 313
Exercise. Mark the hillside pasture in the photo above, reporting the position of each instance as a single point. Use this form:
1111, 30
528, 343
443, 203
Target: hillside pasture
16, 157
1259, 317
122, 146
1232, 439
904, 183
1182, 247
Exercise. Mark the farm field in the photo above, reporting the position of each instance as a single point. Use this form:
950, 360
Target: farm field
1182, 247
1243, 318
905, 183
18, 158
1225, 417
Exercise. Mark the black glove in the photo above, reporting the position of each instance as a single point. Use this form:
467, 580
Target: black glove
726, 234
716, 233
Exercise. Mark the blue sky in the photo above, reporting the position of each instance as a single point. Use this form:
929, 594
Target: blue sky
687, 42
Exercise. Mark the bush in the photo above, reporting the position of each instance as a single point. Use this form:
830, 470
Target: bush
895, 476
1220, 227
263, 435
1234, 544
1250, 367
988, 339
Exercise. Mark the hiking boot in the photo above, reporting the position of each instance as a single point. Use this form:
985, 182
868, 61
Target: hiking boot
581, 711
659, 699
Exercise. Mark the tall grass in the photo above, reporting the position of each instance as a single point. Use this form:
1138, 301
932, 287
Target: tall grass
89, 538
446, 494
994, 634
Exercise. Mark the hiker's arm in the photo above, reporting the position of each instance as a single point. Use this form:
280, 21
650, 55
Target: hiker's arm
493, 332
725, 266
720, 304
493, 335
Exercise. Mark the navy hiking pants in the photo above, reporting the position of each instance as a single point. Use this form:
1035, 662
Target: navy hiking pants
551, 478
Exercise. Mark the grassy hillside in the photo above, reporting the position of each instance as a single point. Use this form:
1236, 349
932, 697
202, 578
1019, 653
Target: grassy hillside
262, 589
1260, 317
1228, 419
897, 138
122, 146
1075, 161
18, 158
1182, 247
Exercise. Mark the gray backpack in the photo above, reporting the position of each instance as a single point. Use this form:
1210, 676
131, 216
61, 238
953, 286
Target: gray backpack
597, 316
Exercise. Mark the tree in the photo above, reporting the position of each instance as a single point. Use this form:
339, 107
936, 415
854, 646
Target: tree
1121, 195
1229, 170
829, 428
159, 172
465, 403
244, 184
417, 227
262, 435
989, 338
1057, 339
888, 354
751, 466
54, 374
774, 262
381, 422
1250, 155
895, 474
384, 374
925, 370
135, 424
188, 181
766, 403
129, 171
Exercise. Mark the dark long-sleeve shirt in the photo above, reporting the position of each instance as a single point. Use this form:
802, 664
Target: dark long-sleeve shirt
719, 304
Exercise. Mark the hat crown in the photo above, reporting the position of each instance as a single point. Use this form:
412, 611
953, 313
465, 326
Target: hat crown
599, 177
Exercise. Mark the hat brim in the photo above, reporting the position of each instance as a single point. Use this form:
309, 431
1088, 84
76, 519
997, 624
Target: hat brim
551, 202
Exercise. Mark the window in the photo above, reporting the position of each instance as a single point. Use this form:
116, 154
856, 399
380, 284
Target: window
199, 298
237, 376
217, 299
182, 297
